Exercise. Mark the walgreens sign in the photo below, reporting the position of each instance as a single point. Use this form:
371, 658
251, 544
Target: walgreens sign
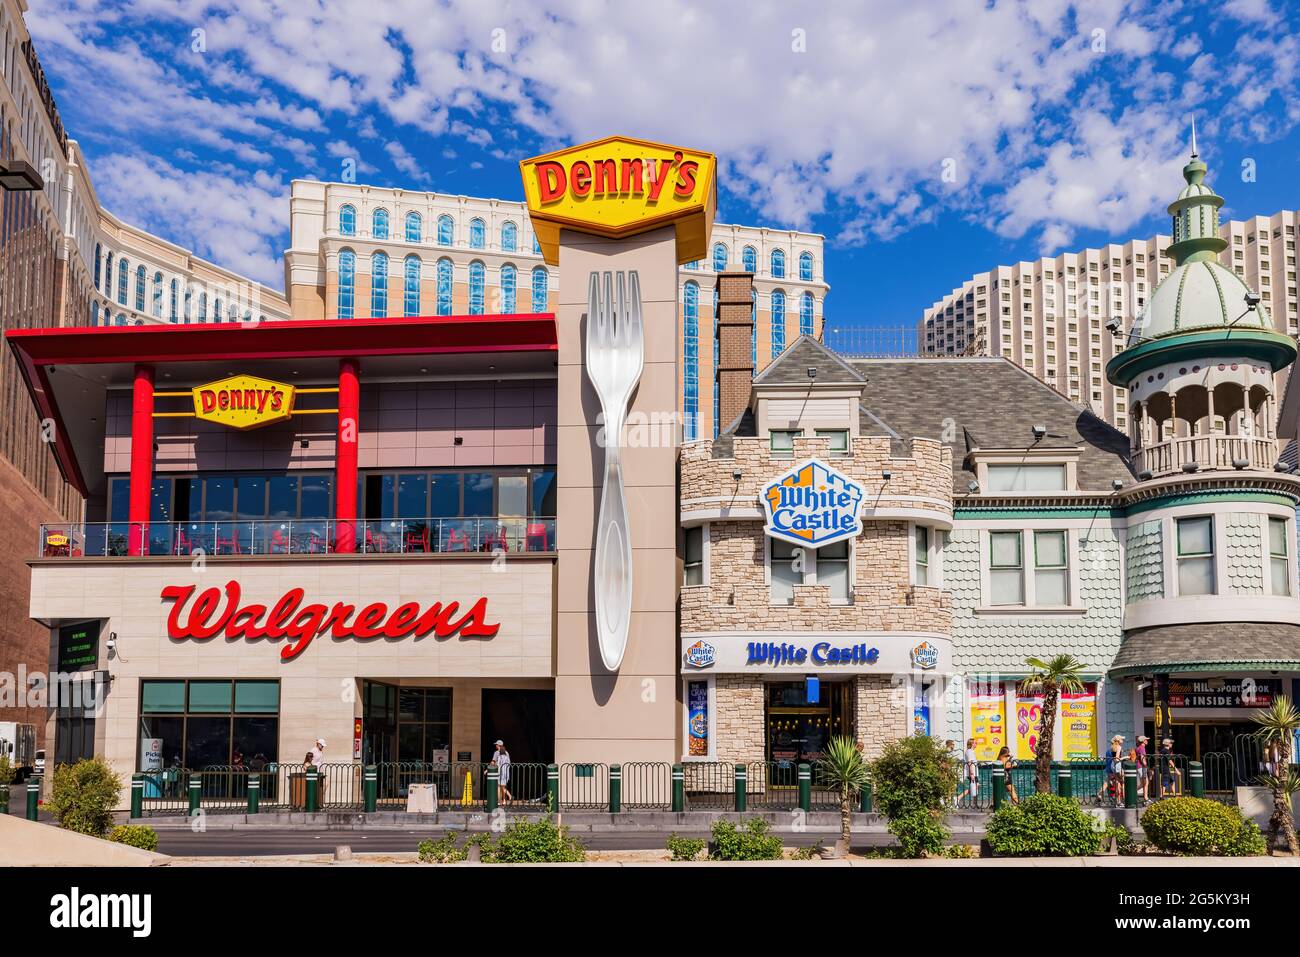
216, 612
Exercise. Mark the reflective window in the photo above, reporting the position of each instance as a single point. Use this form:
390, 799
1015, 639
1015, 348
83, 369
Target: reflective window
411, 284
778, 263
749, 257
347, 220
379, 224
379, 284
719, 257
1195, 556
691, 351
477, 234
444, 287
540, 284
347, 286
477, 282
123, 280
806, 314
446, 230
509, 278
157, 295
509, 237
806, 266
778, 322
414, 227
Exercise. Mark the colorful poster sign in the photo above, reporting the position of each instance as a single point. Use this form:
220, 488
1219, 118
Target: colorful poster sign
1029, 715
988, 724
151, 754
813, 505
1218, 692
701, 655
1078, 723
920, 710
697, 709
618, 187
243, 401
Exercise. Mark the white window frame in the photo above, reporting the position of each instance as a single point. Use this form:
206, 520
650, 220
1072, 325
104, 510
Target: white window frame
711, 681
934, 558
809, 571
1028, 568
1288, 538
1216, 553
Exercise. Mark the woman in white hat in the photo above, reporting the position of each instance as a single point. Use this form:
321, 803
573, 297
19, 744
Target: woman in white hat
1114, 784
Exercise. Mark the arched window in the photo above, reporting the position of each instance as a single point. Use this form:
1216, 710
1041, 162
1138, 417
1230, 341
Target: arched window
477, 281
98, 269
379, 284
509, 238
175, 300
805, 266
414, 227
719, 257
541, 283
157, 295
691, 352
537, 245
120, 320
347, 283
509, 280
108, 279
778, 263
444, 287
446, 231
749, 258
347, 220
411, 296
477, 234
203, 307
232, 311
806, 314
379, 224
139, 288
778, 322
123, 280
216, 308
753, 327
693, 264
94, 313
189, 304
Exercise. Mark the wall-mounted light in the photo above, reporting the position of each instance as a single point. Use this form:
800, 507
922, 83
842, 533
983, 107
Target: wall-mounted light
737, 475
972, 487
886, 475
1116, 484
304, 443
458, 440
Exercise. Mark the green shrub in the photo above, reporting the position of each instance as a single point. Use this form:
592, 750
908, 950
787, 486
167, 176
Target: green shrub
135, 835
749, 842
806, 853
7, 771
912, 774
685, 848
1043, 825
961, 852
919, 833
1187, 825
83, 796
441, 851
532, 842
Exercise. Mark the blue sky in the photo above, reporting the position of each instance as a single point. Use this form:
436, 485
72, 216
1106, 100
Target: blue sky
925, 141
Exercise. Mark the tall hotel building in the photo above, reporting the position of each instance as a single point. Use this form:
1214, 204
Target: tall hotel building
438, 254
1050, 315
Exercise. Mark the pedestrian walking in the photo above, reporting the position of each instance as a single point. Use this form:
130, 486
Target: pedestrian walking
318, 760
970, 773
1171, 778
501, 758
1143, 768
1112, 787
1009, 765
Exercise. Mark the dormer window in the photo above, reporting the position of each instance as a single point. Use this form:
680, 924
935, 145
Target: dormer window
782, 442
1028, 477
839, 440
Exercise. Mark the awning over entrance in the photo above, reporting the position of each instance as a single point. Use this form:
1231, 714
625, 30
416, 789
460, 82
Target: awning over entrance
1221, 647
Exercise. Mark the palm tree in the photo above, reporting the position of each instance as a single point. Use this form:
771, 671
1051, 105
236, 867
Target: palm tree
1278, 724
1050, 678
843, 767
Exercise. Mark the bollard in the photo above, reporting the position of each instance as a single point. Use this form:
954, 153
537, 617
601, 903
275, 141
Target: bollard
999, 787
553, 788
1130, 785
679, 789
137, 796
370, 791
1065, 783
493, 779
864, 799
805, 787
195, 792
33, 796
313, 790
1196, 778
742, 787
615, 788
254, 791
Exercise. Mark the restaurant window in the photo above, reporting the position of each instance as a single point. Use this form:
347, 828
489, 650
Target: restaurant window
781, 442
205, 723
1195, 556
1026, 478
1006, 569
1051, 569
922, 560
833, 570
1279, 565
787, 570
694, 556
839, 444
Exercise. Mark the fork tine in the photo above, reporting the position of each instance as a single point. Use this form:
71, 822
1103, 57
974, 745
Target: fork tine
620, 327
634, 310
593, 311
610, 318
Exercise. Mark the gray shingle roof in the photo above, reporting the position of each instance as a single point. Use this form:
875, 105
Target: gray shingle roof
791, 367
1217, 646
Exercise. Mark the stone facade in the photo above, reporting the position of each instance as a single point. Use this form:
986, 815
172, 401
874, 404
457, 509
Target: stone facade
740, 725
879, 712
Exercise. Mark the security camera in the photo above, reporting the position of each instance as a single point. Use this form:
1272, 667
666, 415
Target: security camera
812, 372
973, 487
885, 475
736, 475
1114, 324
1039, 431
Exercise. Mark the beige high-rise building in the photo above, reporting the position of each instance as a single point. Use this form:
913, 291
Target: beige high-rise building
1050, 315
441, 254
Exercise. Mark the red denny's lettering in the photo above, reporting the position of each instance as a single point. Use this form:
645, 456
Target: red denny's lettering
244, 400
615, 177
289, 618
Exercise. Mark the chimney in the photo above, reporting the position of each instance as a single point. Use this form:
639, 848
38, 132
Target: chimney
734, 324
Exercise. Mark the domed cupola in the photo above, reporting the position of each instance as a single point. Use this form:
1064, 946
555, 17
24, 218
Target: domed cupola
1199, 361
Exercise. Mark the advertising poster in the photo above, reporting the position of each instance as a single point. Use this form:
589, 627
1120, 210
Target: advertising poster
151, 754
988, 724
1029, 715
1078, 722
697, 707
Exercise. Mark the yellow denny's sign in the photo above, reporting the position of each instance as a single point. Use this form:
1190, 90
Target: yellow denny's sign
619, 187
243, 401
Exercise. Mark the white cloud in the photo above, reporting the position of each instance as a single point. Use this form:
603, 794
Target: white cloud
404, 162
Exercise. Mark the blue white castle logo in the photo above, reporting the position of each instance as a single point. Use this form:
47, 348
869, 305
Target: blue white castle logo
813, 505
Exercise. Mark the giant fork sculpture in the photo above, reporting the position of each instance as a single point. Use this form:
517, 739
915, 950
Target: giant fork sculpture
615, 353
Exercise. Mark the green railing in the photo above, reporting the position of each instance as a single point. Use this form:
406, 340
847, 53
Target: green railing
710, 785
647, 785
584, 786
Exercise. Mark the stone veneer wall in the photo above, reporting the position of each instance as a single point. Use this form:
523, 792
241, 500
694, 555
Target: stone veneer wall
1244, 550
739, 725
880, 713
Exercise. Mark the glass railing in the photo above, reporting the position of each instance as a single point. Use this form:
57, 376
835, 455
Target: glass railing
298, 537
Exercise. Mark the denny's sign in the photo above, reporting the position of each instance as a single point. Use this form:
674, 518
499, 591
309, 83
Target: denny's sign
619, 187
243, 401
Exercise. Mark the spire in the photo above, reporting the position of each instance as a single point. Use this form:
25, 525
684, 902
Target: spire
1194, 154
1196, 214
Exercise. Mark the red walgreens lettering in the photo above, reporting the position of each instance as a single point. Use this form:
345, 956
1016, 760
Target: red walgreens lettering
289, 618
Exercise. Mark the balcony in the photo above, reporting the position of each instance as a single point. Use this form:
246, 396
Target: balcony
305, 537
1207, 452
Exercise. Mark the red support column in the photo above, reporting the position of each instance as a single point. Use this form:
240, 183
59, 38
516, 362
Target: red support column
141, 461
345, 457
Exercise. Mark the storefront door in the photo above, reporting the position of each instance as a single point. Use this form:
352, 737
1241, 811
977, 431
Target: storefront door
798, 729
